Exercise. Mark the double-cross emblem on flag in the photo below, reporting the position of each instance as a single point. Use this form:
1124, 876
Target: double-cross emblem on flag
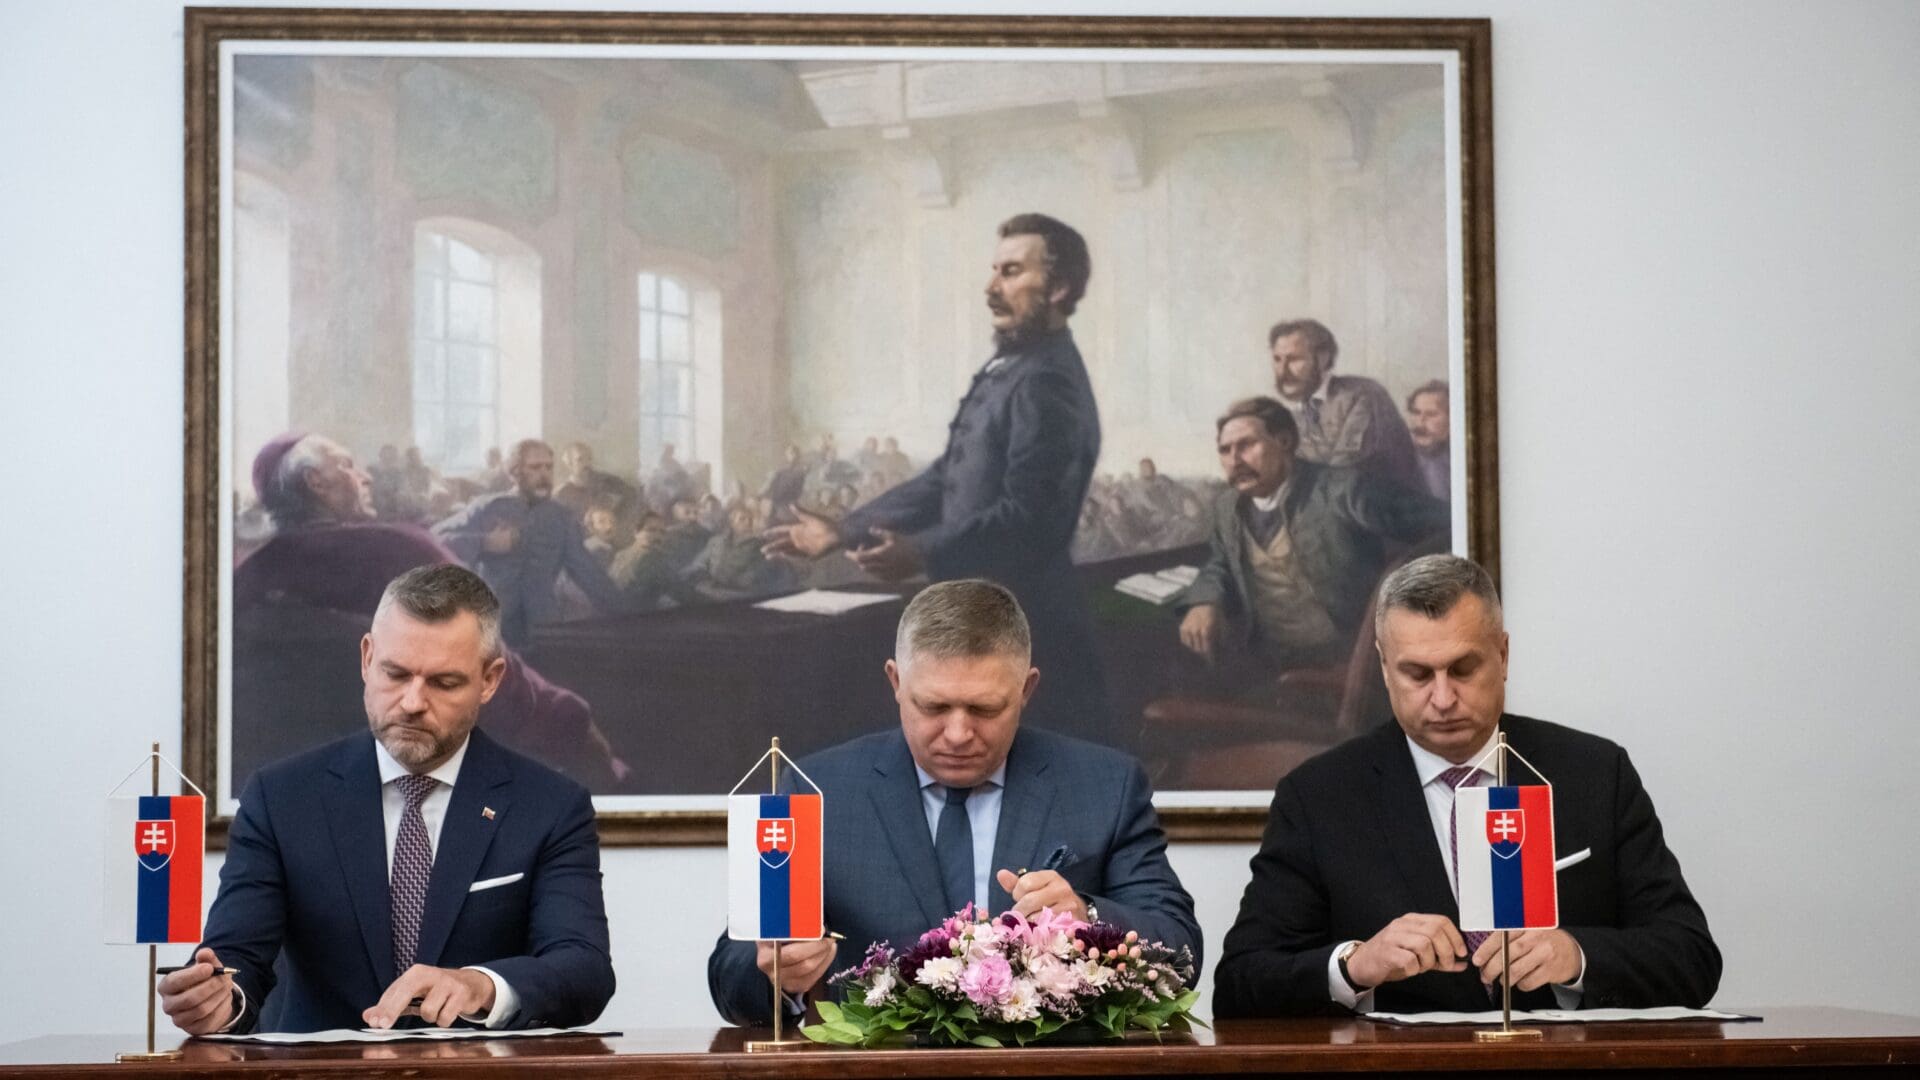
153, 842
1506, 831
774, 839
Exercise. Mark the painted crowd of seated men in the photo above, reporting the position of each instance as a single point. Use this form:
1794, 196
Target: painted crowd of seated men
418, 872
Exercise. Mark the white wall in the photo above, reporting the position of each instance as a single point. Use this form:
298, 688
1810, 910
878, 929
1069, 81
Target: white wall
1710, 354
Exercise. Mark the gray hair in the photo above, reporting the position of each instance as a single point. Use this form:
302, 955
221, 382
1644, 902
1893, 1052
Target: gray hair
1431, 585
966, 618
435, 594
287, 499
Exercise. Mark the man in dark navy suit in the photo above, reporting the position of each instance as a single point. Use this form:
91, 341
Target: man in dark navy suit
961, 804
426, 862
1004, 498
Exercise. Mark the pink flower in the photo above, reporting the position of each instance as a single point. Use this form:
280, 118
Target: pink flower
986, 981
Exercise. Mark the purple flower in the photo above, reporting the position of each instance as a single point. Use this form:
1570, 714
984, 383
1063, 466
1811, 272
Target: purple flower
879, 955
987, 980
1102, 936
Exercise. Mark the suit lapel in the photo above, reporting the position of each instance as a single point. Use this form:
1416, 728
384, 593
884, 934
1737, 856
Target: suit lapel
1406, 828
1024, 804
897, 804
484, 782
358, 827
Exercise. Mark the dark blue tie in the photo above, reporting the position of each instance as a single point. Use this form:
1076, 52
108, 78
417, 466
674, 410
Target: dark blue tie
953, 849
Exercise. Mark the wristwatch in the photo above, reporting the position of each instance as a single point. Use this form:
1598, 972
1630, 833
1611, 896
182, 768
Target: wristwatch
1341, 958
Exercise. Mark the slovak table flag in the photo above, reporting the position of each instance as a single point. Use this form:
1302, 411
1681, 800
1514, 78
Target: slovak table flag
1505, 857
155, 848
773, 868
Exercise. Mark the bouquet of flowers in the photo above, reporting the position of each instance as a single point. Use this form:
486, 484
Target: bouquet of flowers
1010, 980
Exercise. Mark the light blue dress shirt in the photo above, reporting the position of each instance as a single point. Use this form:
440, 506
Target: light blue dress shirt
983, 815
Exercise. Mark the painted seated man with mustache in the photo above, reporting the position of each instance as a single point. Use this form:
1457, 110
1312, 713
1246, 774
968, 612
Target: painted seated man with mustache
1297, 547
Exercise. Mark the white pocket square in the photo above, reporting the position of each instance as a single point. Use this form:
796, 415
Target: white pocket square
494, 882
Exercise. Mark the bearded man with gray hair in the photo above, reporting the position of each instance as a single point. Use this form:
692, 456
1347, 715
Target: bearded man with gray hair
417, 871
962, 805
1353, 902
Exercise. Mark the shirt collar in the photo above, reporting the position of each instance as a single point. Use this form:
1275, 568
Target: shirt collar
447, 773
1272, 502
1428, 765
998, 778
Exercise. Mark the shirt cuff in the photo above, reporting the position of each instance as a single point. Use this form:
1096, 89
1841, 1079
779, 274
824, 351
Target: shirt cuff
506, 1003
239, 1009
1568, 995
1340, 990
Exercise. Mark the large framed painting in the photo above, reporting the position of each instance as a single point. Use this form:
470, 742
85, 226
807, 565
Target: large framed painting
614, 307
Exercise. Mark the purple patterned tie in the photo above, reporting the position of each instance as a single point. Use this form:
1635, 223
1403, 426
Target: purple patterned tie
1453, 777
412, 865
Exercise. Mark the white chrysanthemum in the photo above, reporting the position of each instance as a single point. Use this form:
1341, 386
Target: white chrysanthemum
881, 988
940, 973
1096, 975
1022, 1002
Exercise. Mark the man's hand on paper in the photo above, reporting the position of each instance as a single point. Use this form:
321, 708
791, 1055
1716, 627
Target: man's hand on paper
1408, 946
1539, 958
446, 994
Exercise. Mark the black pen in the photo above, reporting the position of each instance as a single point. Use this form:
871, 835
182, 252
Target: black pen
183, 967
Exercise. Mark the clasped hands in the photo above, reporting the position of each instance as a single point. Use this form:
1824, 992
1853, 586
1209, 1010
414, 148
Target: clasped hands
1413, 943
804, 963
894, 558
200, 1002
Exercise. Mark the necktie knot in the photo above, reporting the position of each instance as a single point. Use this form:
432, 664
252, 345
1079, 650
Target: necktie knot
416, 788
1458, 773
957, 796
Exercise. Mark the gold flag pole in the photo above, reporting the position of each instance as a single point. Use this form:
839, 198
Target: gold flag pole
153, 964
777, 1042
1507, 1032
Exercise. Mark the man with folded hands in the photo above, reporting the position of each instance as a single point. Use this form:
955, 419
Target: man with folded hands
961, 805
423, 872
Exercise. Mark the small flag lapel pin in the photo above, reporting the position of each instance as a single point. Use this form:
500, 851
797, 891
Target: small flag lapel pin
487, 812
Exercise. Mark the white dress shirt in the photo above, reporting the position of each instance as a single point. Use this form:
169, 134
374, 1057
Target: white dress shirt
1428, 766
433, 813
983, 816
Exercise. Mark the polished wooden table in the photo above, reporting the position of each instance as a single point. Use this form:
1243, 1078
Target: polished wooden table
1798, 1042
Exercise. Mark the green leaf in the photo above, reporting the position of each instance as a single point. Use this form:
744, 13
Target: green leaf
985, 1040
828, 1010
966, 1012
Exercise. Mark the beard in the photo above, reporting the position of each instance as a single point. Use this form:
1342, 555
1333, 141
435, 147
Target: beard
1027, 327
416, 745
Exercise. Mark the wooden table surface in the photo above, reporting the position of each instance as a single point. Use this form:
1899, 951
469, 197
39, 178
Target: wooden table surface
1788, 1041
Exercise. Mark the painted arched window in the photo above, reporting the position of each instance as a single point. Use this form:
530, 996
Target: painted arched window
678, 364
476, 342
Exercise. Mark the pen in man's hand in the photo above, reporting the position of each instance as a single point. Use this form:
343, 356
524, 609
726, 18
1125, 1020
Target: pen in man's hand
183, 967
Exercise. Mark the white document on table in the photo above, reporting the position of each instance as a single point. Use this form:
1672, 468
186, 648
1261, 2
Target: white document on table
378, 1035
824, 602
1558, 1016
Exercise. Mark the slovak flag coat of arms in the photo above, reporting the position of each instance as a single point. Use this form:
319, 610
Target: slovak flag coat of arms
774, 891
1505, 840
155, 846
